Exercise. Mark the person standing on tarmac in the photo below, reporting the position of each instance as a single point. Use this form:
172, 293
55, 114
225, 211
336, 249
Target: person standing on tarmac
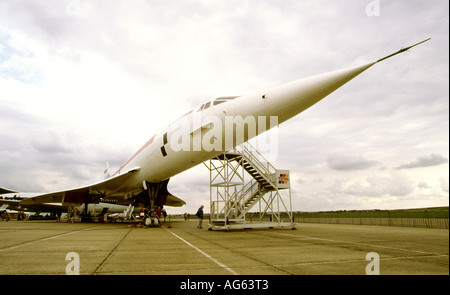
200, 216
164, 213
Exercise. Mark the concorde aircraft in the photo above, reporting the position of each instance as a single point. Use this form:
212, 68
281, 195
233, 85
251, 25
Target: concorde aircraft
211, 129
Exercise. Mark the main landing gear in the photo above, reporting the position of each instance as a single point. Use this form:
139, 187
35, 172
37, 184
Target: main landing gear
150, 216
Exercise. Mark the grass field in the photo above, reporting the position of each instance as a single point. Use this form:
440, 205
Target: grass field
436, 217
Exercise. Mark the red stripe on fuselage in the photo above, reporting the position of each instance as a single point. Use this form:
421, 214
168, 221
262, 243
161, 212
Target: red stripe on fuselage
135, 154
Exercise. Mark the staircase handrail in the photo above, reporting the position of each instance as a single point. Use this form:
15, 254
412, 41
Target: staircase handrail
267, 170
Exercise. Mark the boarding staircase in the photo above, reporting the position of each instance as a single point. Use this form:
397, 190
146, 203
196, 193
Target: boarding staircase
232, 197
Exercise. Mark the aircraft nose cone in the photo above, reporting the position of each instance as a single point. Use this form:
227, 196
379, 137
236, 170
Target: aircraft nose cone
292, 98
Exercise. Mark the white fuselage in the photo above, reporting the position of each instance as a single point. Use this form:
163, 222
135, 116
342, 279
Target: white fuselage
161, 157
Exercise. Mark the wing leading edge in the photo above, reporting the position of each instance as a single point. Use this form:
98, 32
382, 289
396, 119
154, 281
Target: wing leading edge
113, 188
92, 193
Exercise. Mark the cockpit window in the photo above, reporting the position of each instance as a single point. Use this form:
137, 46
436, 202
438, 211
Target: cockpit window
205, 106
220, 100
216, 101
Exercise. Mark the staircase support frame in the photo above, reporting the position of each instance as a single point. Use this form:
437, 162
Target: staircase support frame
232, 196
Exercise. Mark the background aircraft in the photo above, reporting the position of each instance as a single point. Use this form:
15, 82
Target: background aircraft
11, 200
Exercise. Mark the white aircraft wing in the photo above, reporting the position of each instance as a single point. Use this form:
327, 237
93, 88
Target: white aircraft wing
110, 187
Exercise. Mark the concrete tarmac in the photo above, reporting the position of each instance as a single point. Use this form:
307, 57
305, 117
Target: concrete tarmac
41, 247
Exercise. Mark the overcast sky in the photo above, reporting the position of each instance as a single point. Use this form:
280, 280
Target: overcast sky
82, 82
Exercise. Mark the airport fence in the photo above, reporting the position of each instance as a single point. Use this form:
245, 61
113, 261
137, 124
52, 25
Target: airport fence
429, 218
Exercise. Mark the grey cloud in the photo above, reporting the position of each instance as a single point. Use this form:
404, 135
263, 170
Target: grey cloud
300, 181
425, 161
42, 159
50, 143
15, 115
349, 162
423, 185
45, 19
377, 186
196, 183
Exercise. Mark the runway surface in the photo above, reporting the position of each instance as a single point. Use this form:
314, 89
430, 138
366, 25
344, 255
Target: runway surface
40, 247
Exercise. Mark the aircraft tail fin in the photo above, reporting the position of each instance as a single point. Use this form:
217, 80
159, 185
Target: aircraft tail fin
106, 171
